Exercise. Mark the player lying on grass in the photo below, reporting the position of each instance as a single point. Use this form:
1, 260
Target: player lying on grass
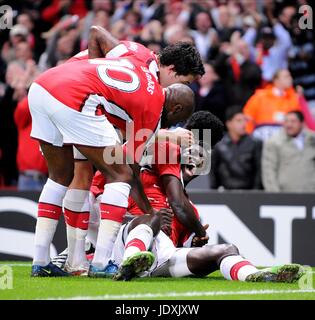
142, 249
142, 246
77, 104
161, 180
180, 63
180, 262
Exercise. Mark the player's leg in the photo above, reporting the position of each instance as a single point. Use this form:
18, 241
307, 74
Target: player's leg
233, 266
91, 237
203, 261
77, 213
95, 218
60, 167
114, 201
137, 257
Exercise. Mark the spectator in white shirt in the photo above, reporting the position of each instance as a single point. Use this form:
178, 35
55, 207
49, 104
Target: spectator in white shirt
204, 36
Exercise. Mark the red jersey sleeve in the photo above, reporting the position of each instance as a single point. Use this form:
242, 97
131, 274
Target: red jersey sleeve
127, 48
83, 55
98, 182
167, 159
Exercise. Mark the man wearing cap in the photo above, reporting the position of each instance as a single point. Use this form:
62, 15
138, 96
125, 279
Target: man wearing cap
271, 51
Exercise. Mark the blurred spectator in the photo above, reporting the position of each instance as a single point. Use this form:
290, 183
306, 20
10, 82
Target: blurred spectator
18, 33
226, 24
30, 161
288, 162
243, 43
267, 107
63, 41
152, 35
272, 48
175, 33
235, 162
98, 15
241, 76
22, 71
210, 93
58, 8
302, 62
205, 35
8, 139
36, 43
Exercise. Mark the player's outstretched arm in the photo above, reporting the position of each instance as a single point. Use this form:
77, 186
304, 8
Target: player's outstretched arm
179, 136
181, 206
100, 42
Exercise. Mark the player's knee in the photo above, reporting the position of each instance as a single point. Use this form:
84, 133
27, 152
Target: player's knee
226, 250
63, 177
83, 176
231, 249
125, 175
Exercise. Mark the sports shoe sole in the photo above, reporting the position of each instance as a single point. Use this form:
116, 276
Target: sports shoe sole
287, 273
134, 265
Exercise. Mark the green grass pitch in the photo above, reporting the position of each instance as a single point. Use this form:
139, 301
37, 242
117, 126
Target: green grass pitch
212, 287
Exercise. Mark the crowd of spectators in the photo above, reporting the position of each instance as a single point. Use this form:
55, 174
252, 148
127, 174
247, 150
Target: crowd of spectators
260, 74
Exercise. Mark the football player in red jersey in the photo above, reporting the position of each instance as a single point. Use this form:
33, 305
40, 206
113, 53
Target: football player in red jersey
143, 249
164, 182
179, 63
76, 104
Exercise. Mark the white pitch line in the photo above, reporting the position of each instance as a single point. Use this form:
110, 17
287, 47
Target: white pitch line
181, 294
16, 264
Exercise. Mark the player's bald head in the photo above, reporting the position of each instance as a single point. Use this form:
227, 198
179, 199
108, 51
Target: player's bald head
179, 104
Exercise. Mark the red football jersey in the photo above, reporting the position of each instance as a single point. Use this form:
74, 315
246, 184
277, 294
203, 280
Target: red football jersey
121, 88
124, 49
150, 178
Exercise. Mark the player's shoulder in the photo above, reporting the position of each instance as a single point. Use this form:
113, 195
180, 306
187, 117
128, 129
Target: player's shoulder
82, 55
167, 151
135, 47
129, 48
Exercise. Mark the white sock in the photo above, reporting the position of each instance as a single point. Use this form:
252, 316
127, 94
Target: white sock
139, 239
236, 268
77, 211
49, 211
44, 234
76, 246
113, 207
95, 219
105, 242
178, 266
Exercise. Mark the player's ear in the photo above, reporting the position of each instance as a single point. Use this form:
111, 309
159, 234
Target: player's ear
171, 69
178, 108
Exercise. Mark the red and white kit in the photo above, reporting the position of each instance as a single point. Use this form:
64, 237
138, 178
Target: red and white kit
80, 101
150, 178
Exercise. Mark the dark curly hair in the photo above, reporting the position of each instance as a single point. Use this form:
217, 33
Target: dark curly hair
206, 120
185, 58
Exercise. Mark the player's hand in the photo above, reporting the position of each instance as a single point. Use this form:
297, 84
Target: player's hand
200, 241
166, 220
184, 137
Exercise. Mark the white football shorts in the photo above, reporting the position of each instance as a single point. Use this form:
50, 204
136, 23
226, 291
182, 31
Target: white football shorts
58, 124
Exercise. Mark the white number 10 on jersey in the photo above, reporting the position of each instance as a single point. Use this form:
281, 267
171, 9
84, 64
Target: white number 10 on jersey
121, 65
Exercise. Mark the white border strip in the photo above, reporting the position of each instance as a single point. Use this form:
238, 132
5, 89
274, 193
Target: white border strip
16, 264
181, 294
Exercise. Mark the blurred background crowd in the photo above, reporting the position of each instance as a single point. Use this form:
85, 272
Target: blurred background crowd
259, 80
